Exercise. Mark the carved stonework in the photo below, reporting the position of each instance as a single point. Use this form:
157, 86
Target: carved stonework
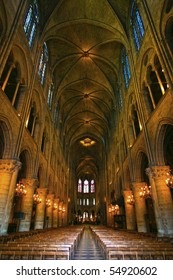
42, 191
9, 166
30, 183
157, 172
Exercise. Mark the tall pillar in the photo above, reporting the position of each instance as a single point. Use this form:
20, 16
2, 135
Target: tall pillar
55, 213
8, 176
40, 209
64, 215
130, 211
163, 205
140, 207
49, 211
60, 207
27, 203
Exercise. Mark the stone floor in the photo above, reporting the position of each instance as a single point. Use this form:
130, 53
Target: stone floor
88, 248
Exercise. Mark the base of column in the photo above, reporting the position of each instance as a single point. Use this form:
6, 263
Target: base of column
165, 234
39, 226
24, 227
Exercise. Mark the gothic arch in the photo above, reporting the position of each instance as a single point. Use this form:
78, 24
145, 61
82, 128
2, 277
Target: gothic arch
139, 165
24, 159
166, 21
29, 161
21, 59
38, 103
159, 140
7, 138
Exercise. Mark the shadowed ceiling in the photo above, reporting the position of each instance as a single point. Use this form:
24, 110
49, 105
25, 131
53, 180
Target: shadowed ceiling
84, 40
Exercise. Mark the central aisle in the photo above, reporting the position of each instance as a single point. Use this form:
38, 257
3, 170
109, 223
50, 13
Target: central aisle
88, 248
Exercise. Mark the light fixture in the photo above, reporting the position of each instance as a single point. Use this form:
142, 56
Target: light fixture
87, 142
48, 203
36, 198
169, 180
20, 189
60, 208
113, 208
55, 206
145, 192
130, 199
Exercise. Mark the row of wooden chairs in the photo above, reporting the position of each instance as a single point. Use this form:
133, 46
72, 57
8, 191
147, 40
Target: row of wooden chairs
52, 244
123, 245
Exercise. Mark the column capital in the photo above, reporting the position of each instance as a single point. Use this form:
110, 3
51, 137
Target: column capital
128, 192
137, 185
56, 200
50, 196
157, 172
30, 182
9, 165
42, 191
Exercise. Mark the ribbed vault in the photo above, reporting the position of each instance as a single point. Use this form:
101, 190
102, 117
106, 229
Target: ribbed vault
84, 40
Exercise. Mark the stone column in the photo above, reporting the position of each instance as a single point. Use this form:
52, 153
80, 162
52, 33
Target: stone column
162, 199
55, 212
49, 210
130, 212
27, 203
64, 215
60, 213
40, 209
8, 176
140, 207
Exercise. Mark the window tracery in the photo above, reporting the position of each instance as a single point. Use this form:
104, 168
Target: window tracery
136, 25
31, 22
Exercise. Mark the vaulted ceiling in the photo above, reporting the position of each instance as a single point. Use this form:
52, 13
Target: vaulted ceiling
84, 40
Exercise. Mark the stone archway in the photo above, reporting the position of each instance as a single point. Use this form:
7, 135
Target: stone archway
5, 140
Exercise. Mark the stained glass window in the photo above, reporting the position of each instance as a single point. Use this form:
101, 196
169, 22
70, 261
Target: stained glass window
79, 185
50, 95
126, 68
92, 186
43, 64
136, 25
86, 186
31, 22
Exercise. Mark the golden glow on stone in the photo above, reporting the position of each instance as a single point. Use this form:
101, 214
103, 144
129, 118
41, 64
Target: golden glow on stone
87, 142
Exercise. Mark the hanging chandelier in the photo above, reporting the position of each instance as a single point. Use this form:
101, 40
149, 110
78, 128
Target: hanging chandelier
36, 198
130, 199
145, 192
48, 203
20, 189
55, 206
169, 180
